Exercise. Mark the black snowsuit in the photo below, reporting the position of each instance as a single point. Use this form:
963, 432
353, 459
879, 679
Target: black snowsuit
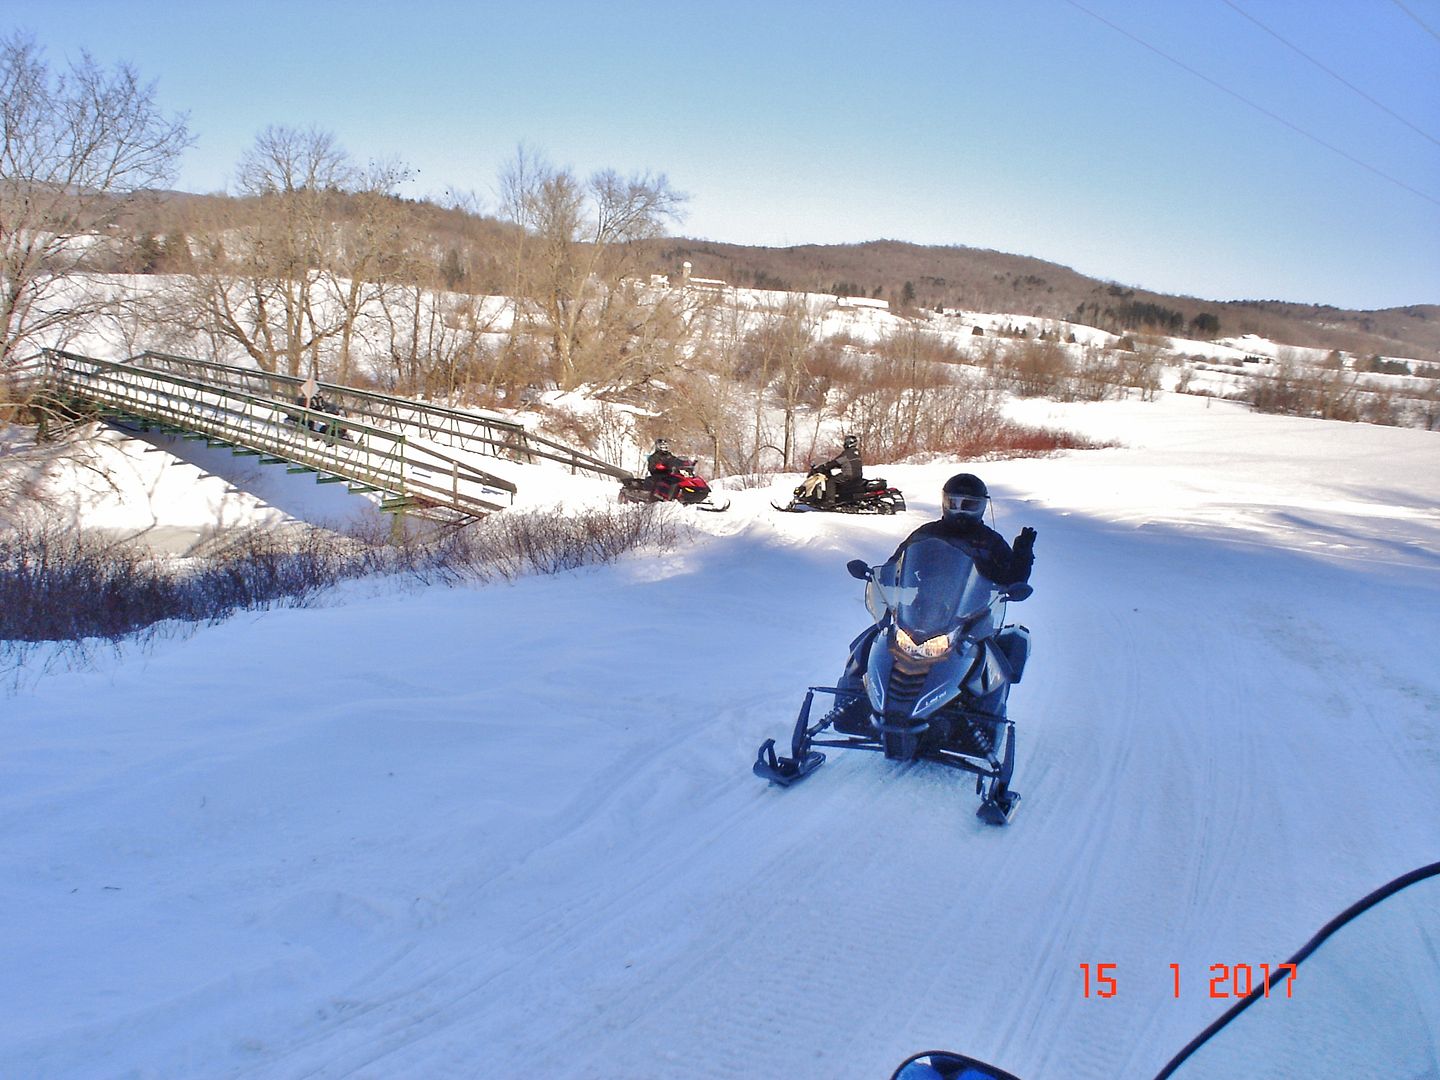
844, 474
993, 556
664, 472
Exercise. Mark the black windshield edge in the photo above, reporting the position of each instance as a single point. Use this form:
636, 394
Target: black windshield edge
1360, 906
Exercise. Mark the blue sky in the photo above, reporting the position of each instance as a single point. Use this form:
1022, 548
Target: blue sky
1062, 129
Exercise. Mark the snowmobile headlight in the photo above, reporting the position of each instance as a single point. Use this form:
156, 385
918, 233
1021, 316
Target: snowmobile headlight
929, 649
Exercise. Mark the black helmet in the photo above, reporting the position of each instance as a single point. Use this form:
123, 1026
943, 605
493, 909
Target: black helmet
852, 442
963, 498
662, 446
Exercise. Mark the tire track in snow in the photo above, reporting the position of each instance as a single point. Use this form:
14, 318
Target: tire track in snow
582, 919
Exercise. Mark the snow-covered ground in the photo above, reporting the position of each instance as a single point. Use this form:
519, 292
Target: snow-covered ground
172, 495
511, 830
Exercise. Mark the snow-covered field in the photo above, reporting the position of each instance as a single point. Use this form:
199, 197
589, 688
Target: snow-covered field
511, 830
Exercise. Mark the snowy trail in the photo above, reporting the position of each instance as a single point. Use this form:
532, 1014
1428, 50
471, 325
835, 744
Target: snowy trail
512, 830
867, 912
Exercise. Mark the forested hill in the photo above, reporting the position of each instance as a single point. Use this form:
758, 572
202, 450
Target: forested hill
981, 280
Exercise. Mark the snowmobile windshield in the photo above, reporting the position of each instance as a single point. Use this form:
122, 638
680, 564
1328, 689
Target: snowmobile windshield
938, 587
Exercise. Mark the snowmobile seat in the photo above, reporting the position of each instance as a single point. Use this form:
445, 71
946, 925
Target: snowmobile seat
1014, 642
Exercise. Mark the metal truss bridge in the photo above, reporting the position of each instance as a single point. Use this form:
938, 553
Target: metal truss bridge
417, 458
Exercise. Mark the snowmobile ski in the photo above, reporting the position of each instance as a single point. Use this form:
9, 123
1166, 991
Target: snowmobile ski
782, 770
998, 810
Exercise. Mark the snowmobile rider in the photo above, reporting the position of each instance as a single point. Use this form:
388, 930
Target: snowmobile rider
841, 476
664, 469
331, 428
320, 403
303, 400
963, 501
317, 403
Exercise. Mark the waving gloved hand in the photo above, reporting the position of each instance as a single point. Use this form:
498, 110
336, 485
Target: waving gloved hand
1025, 542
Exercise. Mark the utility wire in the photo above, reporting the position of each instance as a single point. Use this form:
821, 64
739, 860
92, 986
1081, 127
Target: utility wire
1334, 75
1417, 19
1255, 105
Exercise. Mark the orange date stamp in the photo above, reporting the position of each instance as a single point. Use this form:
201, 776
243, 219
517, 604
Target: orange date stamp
1231, 981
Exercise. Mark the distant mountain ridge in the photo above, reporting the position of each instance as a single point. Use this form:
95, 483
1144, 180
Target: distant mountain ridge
979, 279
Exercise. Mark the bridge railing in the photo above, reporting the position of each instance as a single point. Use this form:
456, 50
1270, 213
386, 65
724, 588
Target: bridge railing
460, 429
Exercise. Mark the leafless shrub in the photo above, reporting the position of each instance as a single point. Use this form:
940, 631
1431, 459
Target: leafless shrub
1097, 376
57, 584
1141, 368
549, 541
60, 585
1037, 369
896, 422
1009, 438
1423, 408
259, 566
1380, 407
1295, 391
747, 481
913, 345
607, 431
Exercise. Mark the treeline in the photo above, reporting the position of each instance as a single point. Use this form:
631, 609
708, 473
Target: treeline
1145, 315
976, 279
157, 235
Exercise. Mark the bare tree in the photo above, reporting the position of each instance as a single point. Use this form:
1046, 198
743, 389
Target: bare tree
371, 248
286, 272
77, 147
788, 337
705, 406
573, 252
437, 340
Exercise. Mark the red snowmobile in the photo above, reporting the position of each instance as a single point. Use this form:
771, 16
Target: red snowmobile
682, 485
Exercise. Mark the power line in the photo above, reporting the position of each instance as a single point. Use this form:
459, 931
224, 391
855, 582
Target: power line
1333, 74
1255, 105
1417, 19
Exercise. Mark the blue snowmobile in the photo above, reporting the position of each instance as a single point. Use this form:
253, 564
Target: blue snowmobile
936, 687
